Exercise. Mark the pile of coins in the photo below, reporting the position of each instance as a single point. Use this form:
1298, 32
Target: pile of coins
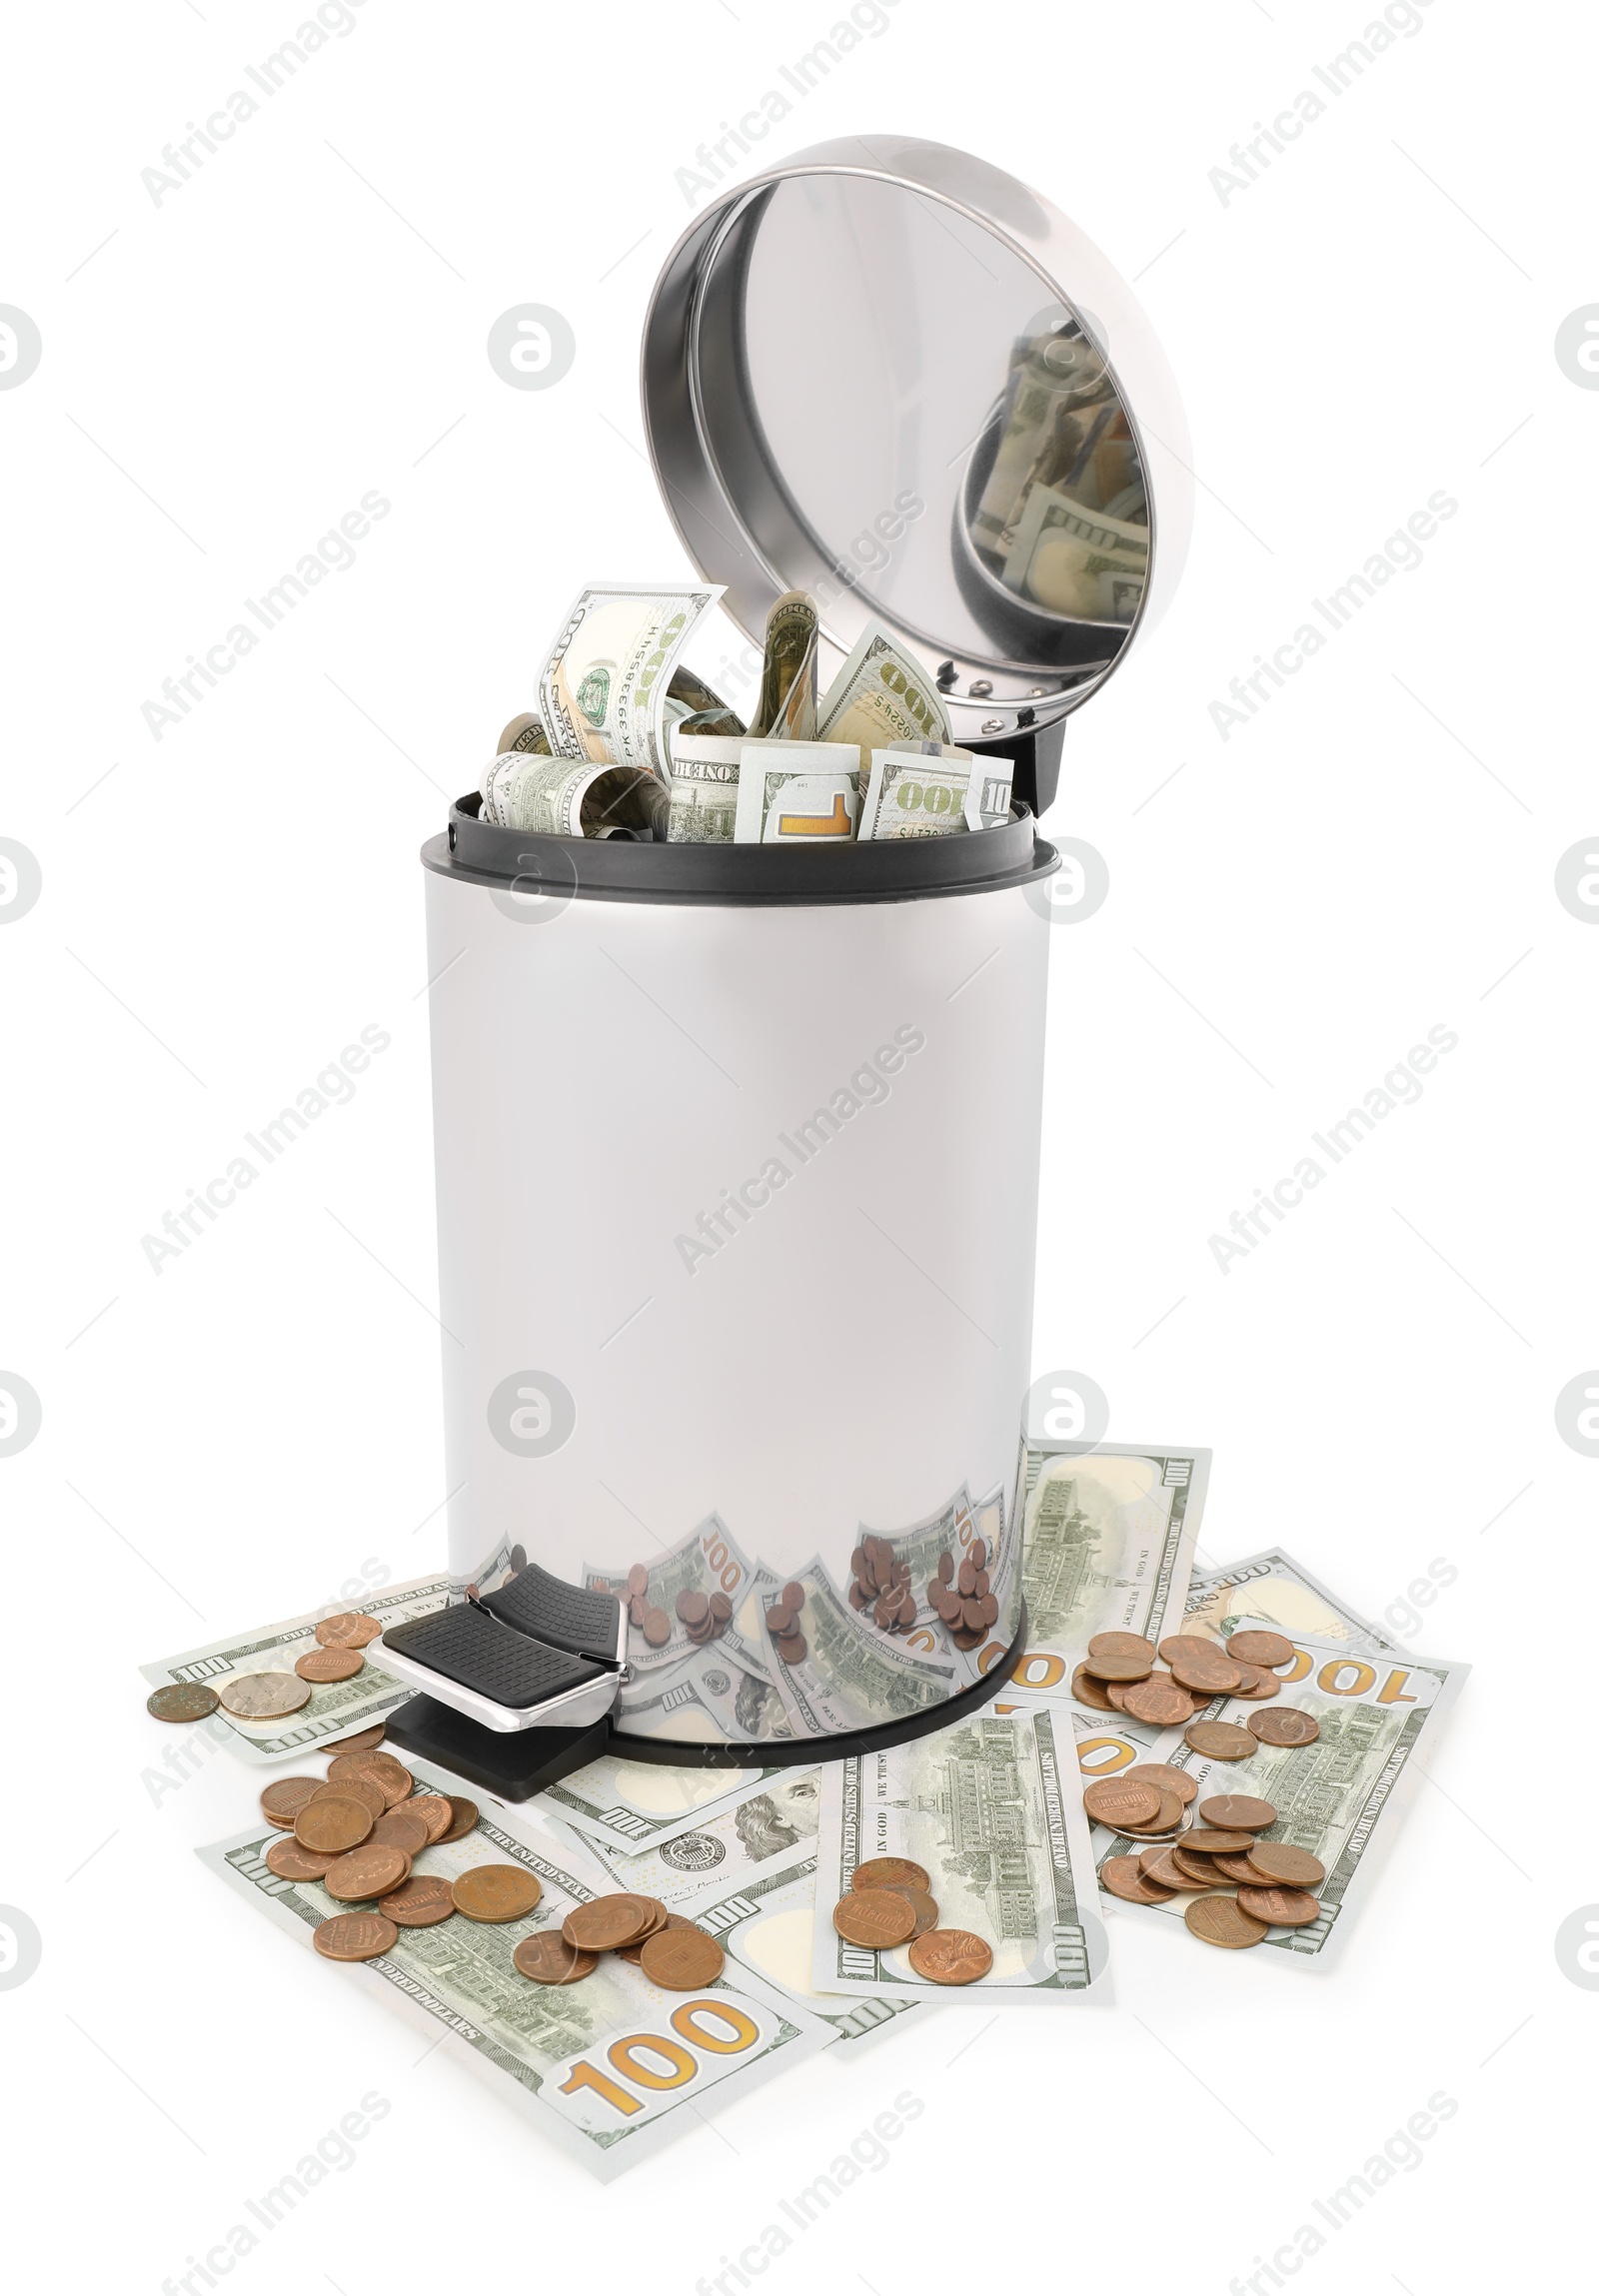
889, 1904
705, 1617
881, 1584
1119, 1675
674, 1953
1248, 1886
782, 1624
962, 1596
271, 1695
651, 1621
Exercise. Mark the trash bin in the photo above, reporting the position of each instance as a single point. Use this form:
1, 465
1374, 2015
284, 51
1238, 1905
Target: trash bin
738, 1145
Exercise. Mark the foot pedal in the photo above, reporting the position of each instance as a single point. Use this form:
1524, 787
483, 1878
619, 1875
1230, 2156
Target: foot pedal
513, 1765
536, 1654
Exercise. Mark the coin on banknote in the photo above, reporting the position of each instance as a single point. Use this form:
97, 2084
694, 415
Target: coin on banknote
435, 1810
1187, 1647
1161, 1700
1111, 1800
682, 1961
1287, 1862
620, 1917
1285, 1725
1211, 1840
1120, 1875
1261, 1649
495, 1893
1214, 1672
328, 1665
952, 1957
403, 1828
891, 1874
283, 1801
1258, 1681
1164, 1871
638, 1580
357, 1742
1239, 1868
335, 1821
392, 1778
1109, 1666
292, 1862
1165, 1775
656, 1628
791, 1648
264, 1697
350, 1630
876, 1918
368, 1871
1089, 1693
1238, 1812
548, 1959
355, 1936
421, 1901
1283, 1908
1166, 1821
182, 1703
924, 1907
1223, 1921
1201, 1871
661, 1919
1117, 1644
1221, 1742
463, 1817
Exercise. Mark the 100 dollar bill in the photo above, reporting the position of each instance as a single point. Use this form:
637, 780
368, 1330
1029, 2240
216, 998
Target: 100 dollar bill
602, 688
1282, 1594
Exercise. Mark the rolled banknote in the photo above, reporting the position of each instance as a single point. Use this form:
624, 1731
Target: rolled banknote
557, 798
525, 732
881, 695
797, 792
603, 691
704, 787
787, 711
1049, 374
1078, 563
926, 790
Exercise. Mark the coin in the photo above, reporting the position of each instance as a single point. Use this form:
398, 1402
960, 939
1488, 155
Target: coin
780, 1621
979, 1554
548, 1959
1222, 1921
401, 1828
292, 1863
350, 1630
620, 1917
794, 1595
1160, 1699
1119, 1646
369, 1871
1109, 1801
1161, 1867
354, 1936
693, 1607
360, 1789
1085, 1689
1166, 1819
419, 1901
1116, 1693
891, 1874
874, 1918
925, 1908
1285, 1725
660, 1919
1201, 1871
1166, 1777
721, 1608
391, 1777
357, 1742
637, 1579
436, 1811
1215, 1672
1284, 1862
1220, 1741
1261, 1649
463, 1817
1238, 1812
182, 1703
495, 1893
656, 1628
1108, 1667
1120, 1875
335, 1821
264, 1697
283, 1801
1206, 1840
1239, 1868
329, 1666
1283, 1908
1258, 1683
952, 1957
791, 1648
1188, 1647
682, 1961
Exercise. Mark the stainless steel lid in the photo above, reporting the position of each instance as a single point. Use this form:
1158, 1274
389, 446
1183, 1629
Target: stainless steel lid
890, 375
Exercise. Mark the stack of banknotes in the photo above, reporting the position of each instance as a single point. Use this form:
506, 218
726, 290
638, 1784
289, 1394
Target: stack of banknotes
627, 742
989, 1806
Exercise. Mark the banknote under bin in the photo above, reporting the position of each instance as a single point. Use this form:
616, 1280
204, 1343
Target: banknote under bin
737, 1146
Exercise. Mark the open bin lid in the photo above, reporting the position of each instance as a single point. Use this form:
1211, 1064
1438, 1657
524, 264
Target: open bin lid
889, 374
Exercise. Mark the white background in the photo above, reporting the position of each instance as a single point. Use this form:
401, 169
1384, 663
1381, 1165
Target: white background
1290, 911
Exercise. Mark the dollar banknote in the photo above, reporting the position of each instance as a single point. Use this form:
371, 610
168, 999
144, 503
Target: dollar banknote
850, 1678
1273, 1587
745, 1708
767, 1925
926, 790
604, 687
707, 1561
787, 711
636, 1805
1110, 1542
558, 797
334, 1708
1055, 376
582, 2062
1081, 563
795, 792
992, 1809
1342, 1796
705, 788
880, 695
768, 1825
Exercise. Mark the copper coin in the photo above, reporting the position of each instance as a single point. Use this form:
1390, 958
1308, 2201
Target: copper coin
1166, 1819
925, 1908
265, 1697
1258, 1683
1165, 1872
979, 1552
990, 1609
365, 1872
971, 1618
1160, 1699
401, 1829
890, 1874
1188, 1647
660, 1919
682, 1961
637, 1579
966, 1576
1111, 1800
1119, 1646
620, 1917
1238, 1812
1222, 1921
1261, 1649
656, 1628
1112, 1667
328, 1665
1239, 1868
366, 1790
392, 1778
1089, 1693
952, 1957
283, 1801
463, 1817
548, 1959
874, 1918
291, 1862
1201, 1871
1120, 1875
793, 1650
334, 1822
419, 1901
780, 1621
495, 1893
693, 1607
947, 1567
350, 1630
357, 1742
181, 1702
637, 1610
1284, 1862
981, 1590
354, 1937
1220, 1741
1207, 1841
1116, 1693
1166, 1777
1283, 1908
721, 1608
1212, 1674
435, 1809
794, 1595
1285, 1725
